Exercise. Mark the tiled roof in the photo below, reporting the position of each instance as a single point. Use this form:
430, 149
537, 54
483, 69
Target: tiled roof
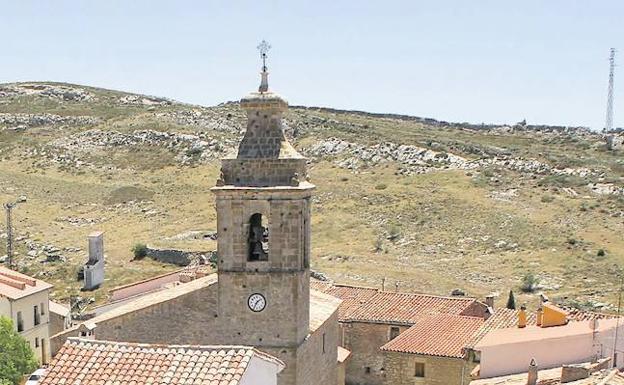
436, 335
502, 318
15, 285
322, 306
366, 304
352, 297
87, 362
507, 318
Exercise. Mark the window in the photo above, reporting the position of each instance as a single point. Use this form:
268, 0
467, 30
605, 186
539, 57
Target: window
323, 342
42, 308
258, 239
36, 342
419, 369
37, 317
20, 322
394, 332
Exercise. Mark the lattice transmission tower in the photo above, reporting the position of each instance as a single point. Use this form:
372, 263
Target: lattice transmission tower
609, 120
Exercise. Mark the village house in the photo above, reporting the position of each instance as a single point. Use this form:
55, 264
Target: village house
372, 319
553, 340
95, 362
431, 352
25, 301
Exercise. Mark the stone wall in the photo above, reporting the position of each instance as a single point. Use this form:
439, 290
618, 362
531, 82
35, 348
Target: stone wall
366, 361
317, 356
191, 318
400, 370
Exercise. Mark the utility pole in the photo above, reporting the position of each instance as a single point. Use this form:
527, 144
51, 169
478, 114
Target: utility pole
8, 207
617, 323
9, 228
609, 119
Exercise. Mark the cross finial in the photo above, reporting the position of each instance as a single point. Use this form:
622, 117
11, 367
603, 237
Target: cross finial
264, 48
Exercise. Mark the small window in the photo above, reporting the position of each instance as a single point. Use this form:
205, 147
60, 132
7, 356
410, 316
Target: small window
20, 322
37, 318
36, 342
367, 370
323, 343
42, 308
419, 369
394, 332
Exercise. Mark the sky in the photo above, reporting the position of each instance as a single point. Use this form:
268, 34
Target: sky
472, 61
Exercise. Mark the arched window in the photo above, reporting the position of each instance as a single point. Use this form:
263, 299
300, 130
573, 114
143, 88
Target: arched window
258, 240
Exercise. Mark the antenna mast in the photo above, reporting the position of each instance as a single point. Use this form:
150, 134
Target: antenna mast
609, 120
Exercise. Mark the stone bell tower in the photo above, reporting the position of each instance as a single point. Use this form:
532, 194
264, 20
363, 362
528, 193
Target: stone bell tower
263, 219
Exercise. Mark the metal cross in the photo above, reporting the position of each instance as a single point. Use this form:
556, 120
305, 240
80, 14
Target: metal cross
264, 48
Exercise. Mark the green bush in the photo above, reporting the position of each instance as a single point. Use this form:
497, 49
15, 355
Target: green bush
547, 198
601, 253
139, 250
529, 283
16, 357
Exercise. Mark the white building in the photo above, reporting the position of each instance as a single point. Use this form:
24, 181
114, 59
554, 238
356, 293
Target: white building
25, 300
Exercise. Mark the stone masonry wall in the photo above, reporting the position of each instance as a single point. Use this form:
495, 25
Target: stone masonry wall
318, 365
364, 341
400, 370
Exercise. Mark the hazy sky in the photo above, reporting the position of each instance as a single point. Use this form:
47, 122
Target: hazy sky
478, 61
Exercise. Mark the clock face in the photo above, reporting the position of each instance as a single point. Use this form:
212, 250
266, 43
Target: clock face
256, 302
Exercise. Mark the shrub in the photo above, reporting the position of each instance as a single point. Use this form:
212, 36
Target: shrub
529, 283
381, 186
139, 250
547, 198
601, 253
378, 244
394, 233
571, 241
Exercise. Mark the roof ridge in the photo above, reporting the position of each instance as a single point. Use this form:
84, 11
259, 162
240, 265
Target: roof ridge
429, 295
14, 284
17, 277
156, 346
401, 292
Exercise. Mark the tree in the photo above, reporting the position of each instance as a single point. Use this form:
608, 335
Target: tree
16, 357
511, 301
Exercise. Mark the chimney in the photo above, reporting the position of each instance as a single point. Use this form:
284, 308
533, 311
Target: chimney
489, 301
383, 284
532, 375
522, 317
539, 316
396, 286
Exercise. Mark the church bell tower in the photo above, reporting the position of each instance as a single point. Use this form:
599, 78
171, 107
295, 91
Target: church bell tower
263, 221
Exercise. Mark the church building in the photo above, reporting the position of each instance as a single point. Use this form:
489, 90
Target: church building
260, 297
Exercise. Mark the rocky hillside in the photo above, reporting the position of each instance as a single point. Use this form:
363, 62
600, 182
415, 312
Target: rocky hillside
433, 206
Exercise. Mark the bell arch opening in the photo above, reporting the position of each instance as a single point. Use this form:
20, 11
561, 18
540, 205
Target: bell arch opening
258, 239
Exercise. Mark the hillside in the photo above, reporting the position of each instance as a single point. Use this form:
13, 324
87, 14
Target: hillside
432, 205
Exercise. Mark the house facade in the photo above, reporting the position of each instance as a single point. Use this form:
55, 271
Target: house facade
25, 301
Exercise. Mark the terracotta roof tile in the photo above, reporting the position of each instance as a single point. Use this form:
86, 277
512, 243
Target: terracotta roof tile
88, 362
436, 335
